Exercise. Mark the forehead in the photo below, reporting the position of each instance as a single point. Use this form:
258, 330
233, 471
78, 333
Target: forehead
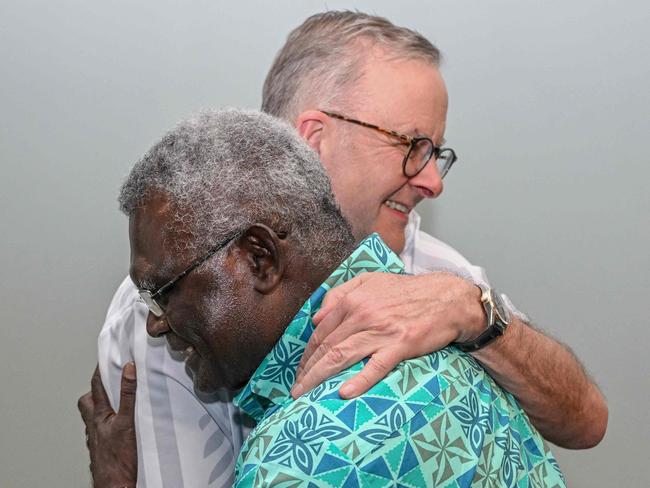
150, 237
407, 95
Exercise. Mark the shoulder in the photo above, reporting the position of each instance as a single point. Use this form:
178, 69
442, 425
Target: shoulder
443, 405
319, 434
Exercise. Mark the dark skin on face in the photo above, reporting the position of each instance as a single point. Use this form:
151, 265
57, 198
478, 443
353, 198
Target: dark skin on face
225, 318
230, 316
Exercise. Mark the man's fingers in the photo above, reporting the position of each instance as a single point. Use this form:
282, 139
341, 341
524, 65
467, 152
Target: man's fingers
333, 296
334, 331
335, 308
375, 370
335, 360
127, 391
329, 302
85, 405
102, 405
317, 339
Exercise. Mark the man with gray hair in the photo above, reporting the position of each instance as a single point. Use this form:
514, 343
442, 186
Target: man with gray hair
222, 271
368, 97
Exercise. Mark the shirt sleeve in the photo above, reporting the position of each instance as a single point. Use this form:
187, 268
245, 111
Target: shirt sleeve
182, 440
472, 434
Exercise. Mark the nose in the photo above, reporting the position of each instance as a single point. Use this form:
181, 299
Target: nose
428, 182
157, 326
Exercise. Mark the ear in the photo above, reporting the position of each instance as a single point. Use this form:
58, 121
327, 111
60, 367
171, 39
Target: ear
265, 254
311, 125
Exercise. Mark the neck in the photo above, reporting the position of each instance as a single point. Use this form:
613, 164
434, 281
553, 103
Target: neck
273, 379
308, 272
304, 278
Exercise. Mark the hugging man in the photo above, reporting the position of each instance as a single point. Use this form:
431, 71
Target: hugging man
235, 240
368, 97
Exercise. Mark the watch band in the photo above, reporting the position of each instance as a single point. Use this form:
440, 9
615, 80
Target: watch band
487, 336
498, 318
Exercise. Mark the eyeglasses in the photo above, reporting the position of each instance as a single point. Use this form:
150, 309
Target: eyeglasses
151, 299
421, 149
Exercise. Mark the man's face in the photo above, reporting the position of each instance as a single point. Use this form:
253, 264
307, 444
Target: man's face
366, 166
208, 318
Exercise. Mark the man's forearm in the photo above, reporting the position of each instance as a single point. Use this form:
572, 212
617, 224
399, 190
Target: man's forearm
390, 318
565, 406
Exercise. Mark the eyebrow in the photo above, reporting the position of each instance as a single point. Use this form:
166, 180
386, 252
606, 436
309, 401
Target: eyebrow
417, 133
142, 283
146, 284
157, 278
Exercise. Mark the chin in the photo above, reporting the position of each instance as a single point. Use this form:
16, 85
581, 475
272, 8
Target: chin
209, 381
391, 230
201, 385
394, 238
207, 390
204, 378
396, 243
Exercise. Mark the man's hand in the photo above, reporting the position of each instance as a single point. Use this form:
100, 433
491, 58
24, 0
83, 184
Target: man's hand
110, 437
391, 318
387, 318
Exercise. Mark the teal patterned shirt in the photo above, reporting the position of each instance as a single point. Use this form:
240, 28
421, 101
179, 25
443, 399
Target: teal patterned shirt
437, 420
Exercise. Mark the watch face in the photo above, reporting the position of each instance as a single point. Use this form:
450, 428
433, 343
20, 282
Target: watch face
502, 311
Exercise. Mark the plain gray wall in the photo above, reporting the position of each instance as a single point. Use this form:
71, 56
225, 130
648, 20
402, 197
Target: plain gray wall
549, 113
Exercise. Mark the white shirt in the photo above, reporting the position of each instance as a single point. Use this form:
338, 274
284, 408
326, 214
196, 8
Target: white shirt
183, 441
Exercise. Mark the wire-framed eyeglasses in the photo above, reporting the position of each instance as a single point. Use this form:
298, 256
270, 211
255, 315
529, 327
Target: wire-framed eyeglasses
152, 298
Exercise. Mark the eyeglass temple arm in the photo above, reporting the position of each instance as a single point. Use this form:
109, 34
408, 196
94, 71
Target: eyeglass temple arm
193, 266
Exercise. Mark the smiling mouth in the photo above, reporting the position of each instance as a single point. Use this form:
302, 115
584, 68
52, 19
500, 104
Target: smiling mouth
397, 206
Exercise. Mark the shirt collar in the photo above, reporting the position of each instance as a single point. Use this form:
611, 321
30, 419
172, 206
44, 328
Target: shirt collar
410, 232
270, 385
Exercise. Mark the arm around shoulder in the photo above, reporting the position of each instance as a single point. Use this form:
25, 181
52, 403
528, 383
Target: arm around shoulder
545, 376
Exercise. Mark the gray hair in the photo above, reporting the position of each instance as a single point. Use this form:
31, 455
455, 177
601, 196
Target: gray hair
324, 56
225, 170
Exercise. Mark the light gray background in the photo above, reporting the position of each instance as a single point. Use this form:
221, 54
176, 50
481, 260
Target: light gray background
549, 113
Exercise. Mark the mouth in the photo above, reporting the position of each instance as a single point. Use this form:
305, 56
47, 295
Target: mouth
399, 208
179, 346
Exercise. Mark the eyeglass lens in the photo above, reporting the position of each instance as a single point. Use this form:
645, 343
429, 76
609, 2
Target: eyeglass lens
444, 161
151, 303
422, 152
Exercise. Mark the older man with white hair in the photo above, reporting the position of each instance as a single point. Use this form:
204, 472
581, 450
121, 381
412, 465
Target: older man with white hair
222, 271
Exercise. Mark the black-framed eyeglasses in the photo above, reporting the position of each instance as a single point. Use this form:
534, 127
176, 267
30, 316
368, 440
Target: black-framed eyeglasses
420, 152
151, 299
